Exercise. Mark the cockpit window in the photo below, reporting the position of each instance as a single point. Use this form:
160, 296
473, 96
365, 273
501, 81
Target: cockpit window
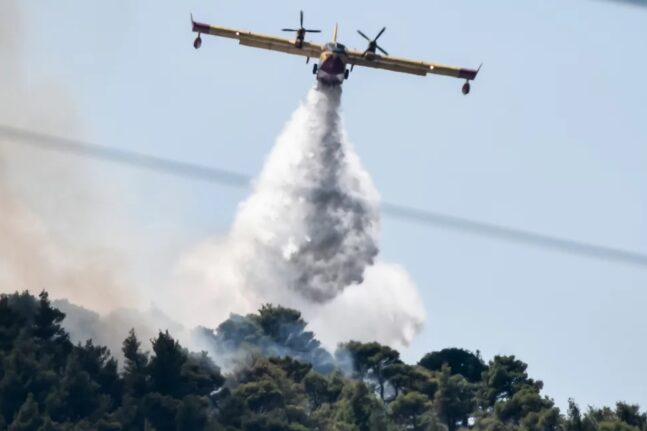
337, 48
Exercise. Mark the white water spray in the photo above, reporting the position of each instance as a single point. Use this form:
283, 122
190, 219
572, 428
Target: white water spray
307, 238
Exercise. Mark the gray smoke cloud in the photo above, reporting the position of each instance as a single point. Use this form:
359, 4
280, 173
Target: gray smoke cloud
47, 203
306, 238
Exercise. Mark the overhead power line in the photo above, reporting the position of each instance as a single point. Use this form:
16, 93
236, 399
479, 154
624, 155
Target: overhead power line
236, 179
146, 161
515, 235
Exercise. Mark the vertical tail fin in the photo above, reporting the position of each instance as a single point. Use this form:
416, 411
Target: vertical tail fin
334, 34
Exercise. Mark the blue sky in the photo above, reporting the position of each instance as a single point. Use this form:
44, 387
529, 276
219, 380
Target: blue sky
552, 139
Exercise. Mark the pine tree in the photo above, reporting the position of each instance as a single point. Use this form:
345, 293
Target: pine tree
49, 333
135, 363
47, 322
454, 399
10, 323
28, 417
166, 364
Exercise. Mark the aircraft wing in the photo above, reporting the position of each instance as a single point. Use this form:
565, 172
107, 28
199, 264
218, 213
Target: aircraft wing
257, 40
413, 67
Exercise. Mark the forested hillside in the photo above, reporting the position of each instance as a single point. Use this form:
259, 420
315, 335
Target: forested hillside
281, 379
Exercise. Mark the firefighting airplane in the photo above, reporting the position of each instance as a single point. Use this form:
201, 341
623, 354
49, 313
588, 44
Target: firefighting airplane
334, 57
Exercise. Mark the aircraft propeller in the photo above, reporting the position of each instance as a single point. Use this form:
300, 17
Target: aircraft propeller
301, 30
372, 43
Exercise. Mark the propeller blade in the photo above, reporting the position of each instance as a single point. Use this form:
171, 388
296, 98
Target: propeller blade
363, 35
380, 33
383, 51
313, 31
289, 29
301, 15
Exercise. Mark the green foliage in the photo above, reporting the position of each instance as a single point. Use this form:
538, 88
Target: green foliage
371, 362
165, 368
28, 417
10, 324
47, 322
454, 399
504, 377
404, 378
625, 417
268, 394
631, 415
160, 411
525, 401
273, 332
193, 414
294, 369
317, 388
359, 408
413, 411
282, 380
460, 361
135, 366
77, 396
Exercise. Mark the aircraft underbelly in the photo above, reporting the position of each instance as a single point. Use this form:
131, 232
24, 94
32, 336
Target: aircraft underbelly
333, 65
331, 70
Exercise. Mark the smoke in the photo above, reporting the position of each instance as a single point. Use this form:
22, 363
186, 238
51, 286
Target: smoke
45, 202
306, 238
111, 329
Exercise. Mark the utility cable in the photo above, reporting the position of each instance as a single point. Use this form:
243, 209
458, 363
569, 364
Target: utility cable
236, 179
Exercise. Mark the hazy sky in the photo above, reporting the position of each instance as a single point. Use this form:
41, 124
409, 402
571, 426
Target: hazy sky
552, 139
